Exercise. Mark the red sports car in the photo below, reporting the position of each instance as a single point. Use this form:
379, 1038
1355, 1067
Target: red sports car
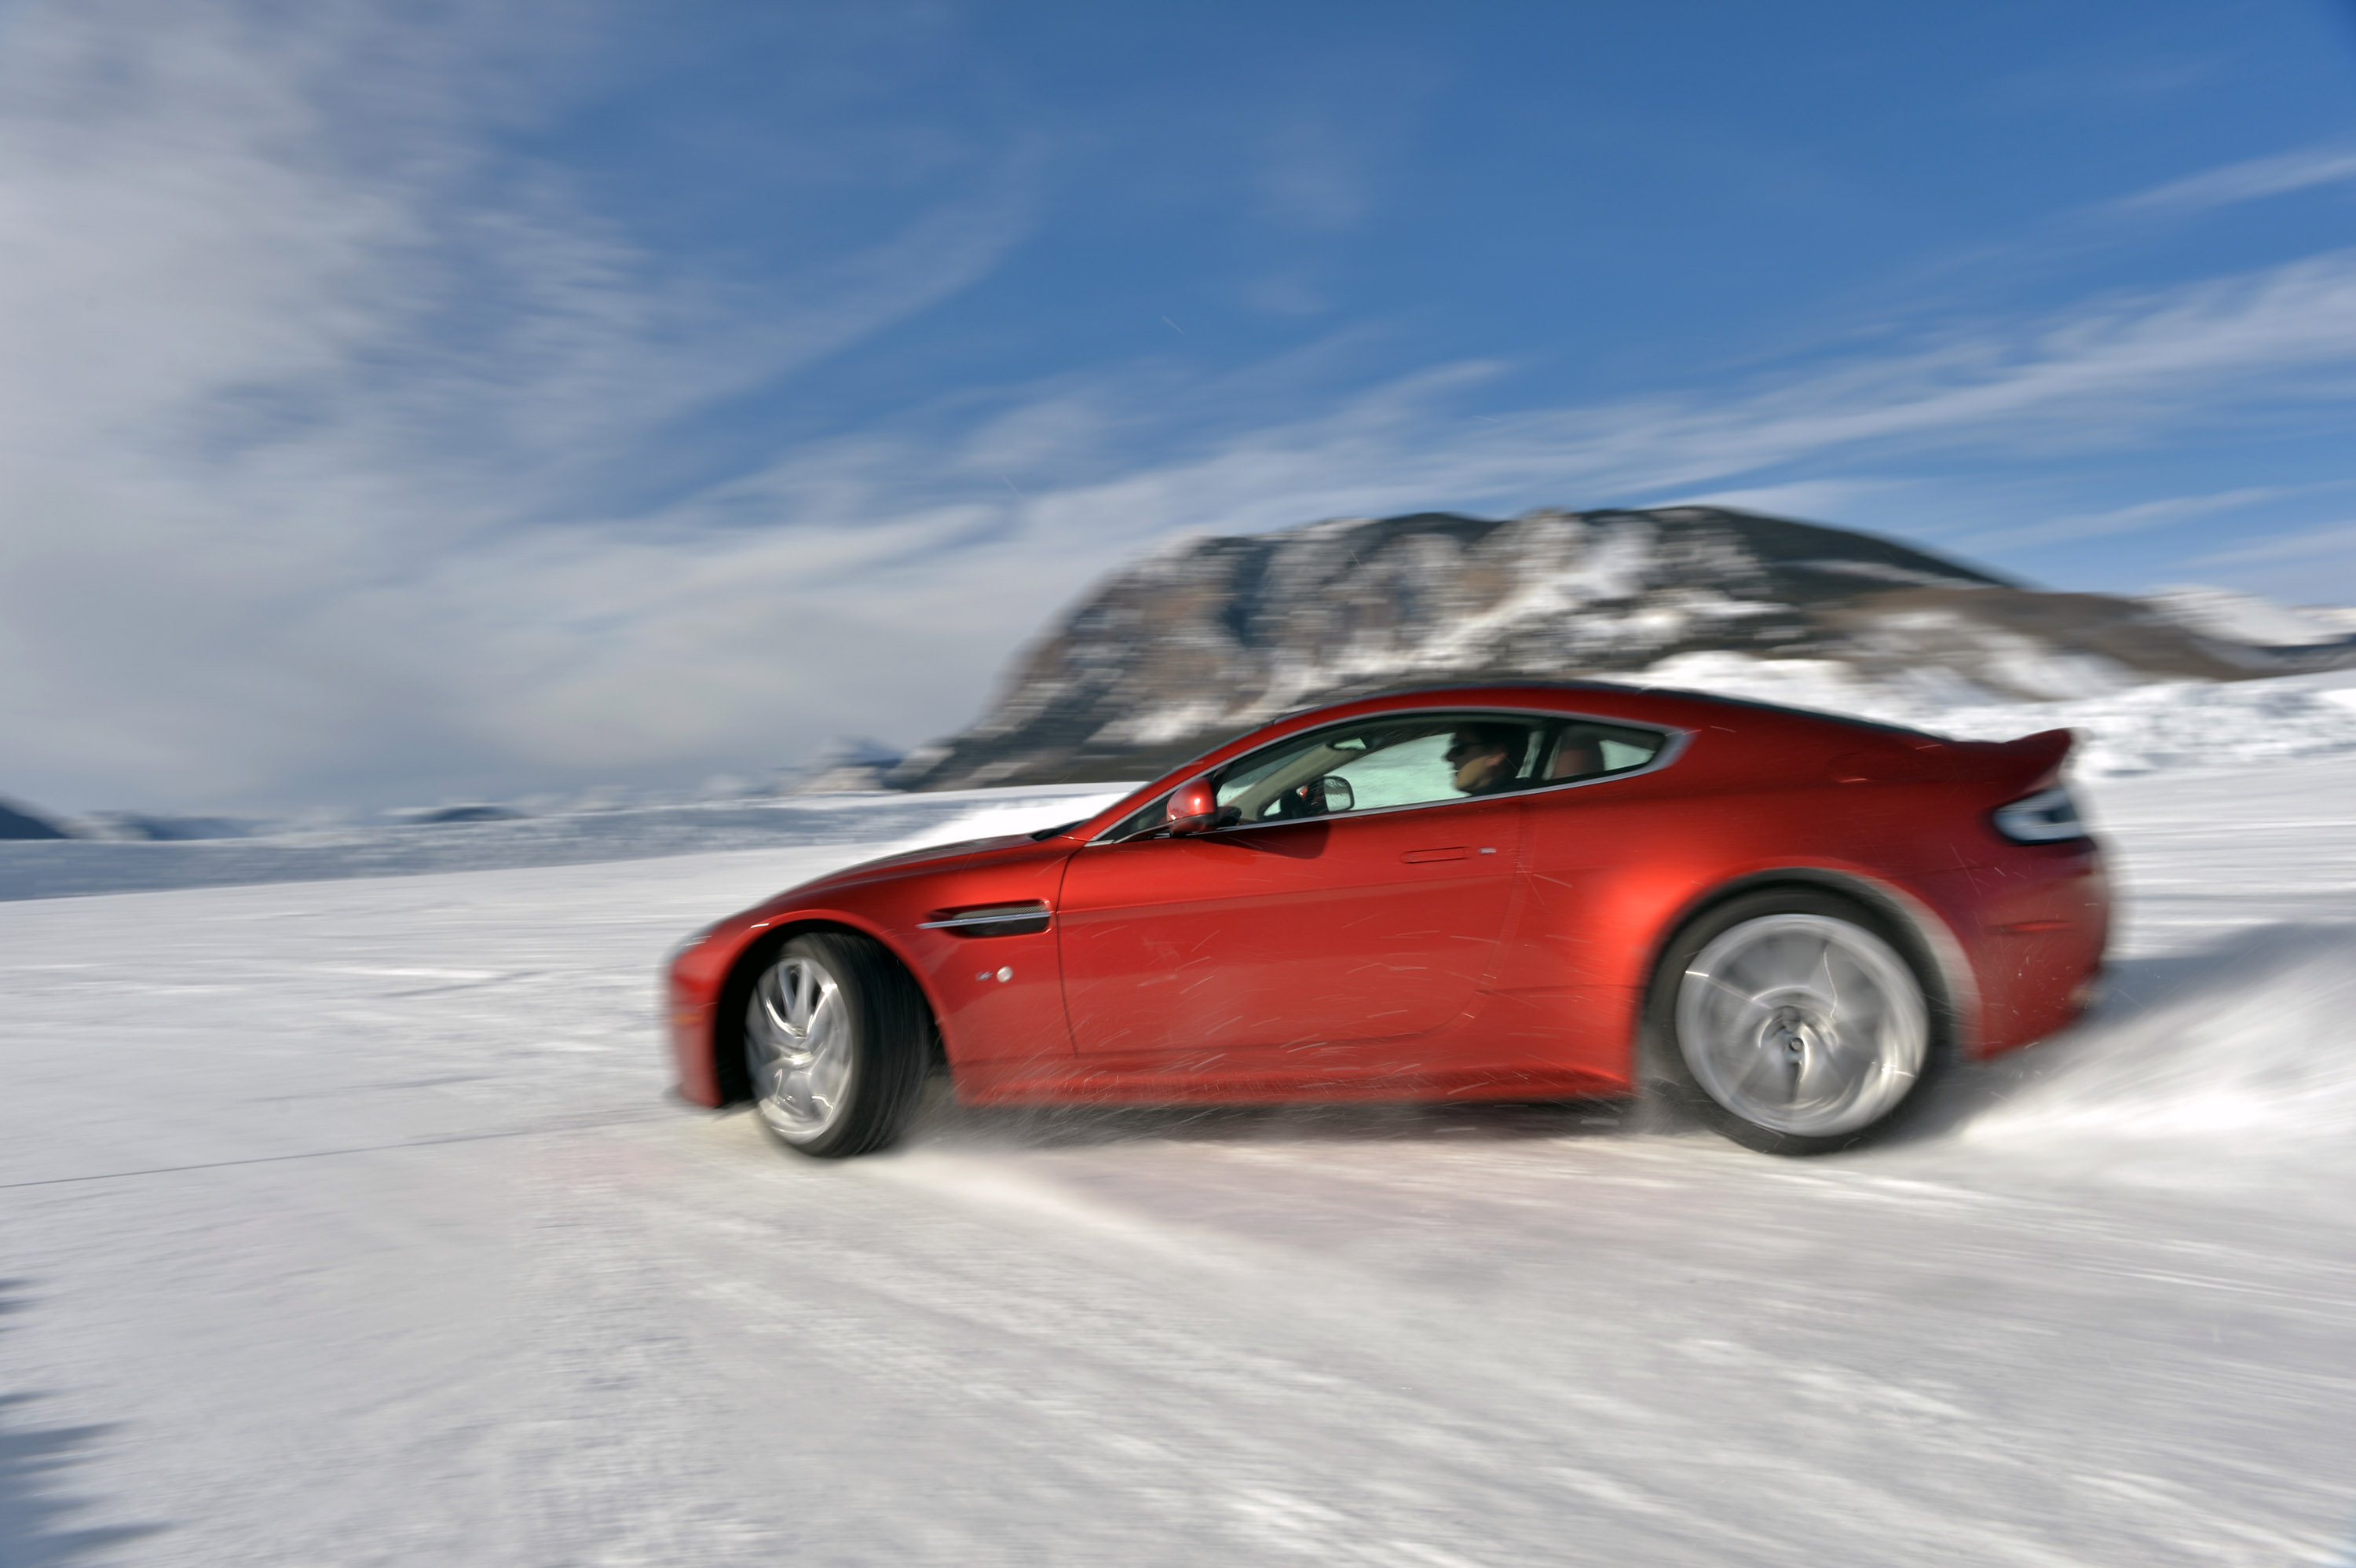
1783, 921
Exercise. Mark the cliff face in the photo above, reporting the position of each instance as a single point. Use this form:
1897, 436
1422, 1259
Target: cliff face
1214, 635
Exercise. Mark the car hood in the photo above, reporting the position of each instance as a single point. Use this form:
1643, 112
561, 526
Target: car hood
905, 862
930, 852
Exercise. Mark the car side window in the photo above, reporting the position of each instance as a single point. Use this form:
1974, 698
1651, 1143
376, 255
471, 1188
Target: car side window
1582, 749
1412, 759
1386, 761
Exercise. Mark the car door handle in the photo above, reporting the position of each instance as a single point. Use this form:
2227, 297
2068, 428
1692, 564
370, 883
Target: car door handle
1418, 857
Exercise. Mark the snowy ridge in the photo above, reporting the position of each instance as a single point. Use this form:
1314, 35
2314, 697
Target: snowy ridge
2245, 618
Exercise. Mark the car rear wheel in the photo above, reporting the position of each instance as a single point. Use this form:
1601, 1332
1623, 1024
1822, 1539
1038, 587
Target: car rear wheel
1792, 1021
834, 1045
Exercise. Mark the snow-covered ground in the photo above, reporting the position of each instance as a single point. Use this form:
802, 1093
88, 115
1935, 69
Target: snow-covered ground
70, 867
345, 1222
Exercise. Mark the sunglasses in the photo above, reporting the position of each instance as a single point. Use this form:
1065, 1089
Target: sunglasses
1463, 749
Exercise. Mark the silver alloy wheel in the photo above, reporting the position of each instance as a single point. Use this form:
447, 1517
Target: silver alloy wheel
1803, 1024
799, 1047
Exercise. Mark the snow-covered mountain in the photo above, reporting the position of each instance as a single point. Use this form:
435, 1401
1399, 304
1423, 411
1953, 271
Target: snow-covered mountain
1213, 635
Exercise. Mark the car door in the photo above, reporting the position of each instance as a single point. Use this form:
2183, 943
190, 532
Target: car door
1377, 923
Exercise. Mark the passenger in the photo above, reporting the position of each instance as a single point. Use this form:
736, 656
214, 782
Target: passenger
1483, 756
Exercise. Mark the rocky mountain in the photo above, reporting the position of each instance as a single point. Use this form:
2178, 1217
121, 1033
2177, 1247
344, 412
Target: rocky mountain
1215, 635
17, 823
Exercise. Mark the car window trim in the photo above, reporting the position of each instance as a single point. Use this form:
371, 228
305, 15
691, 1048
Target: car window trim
1678, 738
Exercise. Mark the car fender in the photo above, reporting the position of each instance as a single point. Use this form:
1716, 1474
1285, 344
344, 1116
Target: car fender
726, 951
1914, 914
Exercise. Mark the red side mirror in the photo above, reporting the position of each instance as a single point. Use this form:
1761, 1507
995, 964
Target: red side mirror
1194, 808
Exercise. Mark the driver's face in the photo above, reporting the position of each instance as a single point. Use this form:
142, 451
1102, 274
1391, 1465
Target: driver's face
1476, 765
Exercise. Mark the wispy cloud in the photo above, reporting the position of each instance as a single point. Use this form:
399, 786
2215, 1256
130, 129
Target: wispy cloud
2137, 518
2304, 168
2337, 541
288, 334
1315, 176
875, 582
317, 405
899, 571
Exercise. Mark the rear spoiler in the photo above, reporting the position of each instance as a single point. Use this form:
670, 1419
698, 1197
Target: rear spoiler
2022, 767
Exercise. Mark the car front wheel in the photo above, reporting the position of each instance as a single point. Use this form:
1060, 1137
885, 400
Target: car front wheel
834, 1045
1794, 1022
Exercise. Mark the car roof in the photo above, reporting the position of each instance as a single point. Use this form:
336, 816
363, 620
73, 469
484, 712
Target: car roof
1483, 693
1668, 707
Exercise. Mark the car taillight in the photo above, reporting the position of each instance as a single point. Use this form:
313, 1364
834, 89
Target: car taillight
2046, 817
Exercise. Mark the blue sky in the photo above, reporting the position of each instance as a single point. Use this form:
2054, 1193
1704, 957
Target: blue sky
415, 402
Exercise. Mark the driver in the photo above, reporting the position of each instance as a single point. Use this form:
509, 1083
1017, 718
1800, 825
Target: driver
1483, 756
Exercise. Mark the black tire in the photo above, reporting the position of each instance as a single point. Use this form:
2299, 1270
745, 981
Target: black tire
1738, 1039
837, 1044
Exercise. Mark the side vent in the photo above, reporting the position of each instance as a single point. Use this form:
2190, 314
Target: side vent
1027, 918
